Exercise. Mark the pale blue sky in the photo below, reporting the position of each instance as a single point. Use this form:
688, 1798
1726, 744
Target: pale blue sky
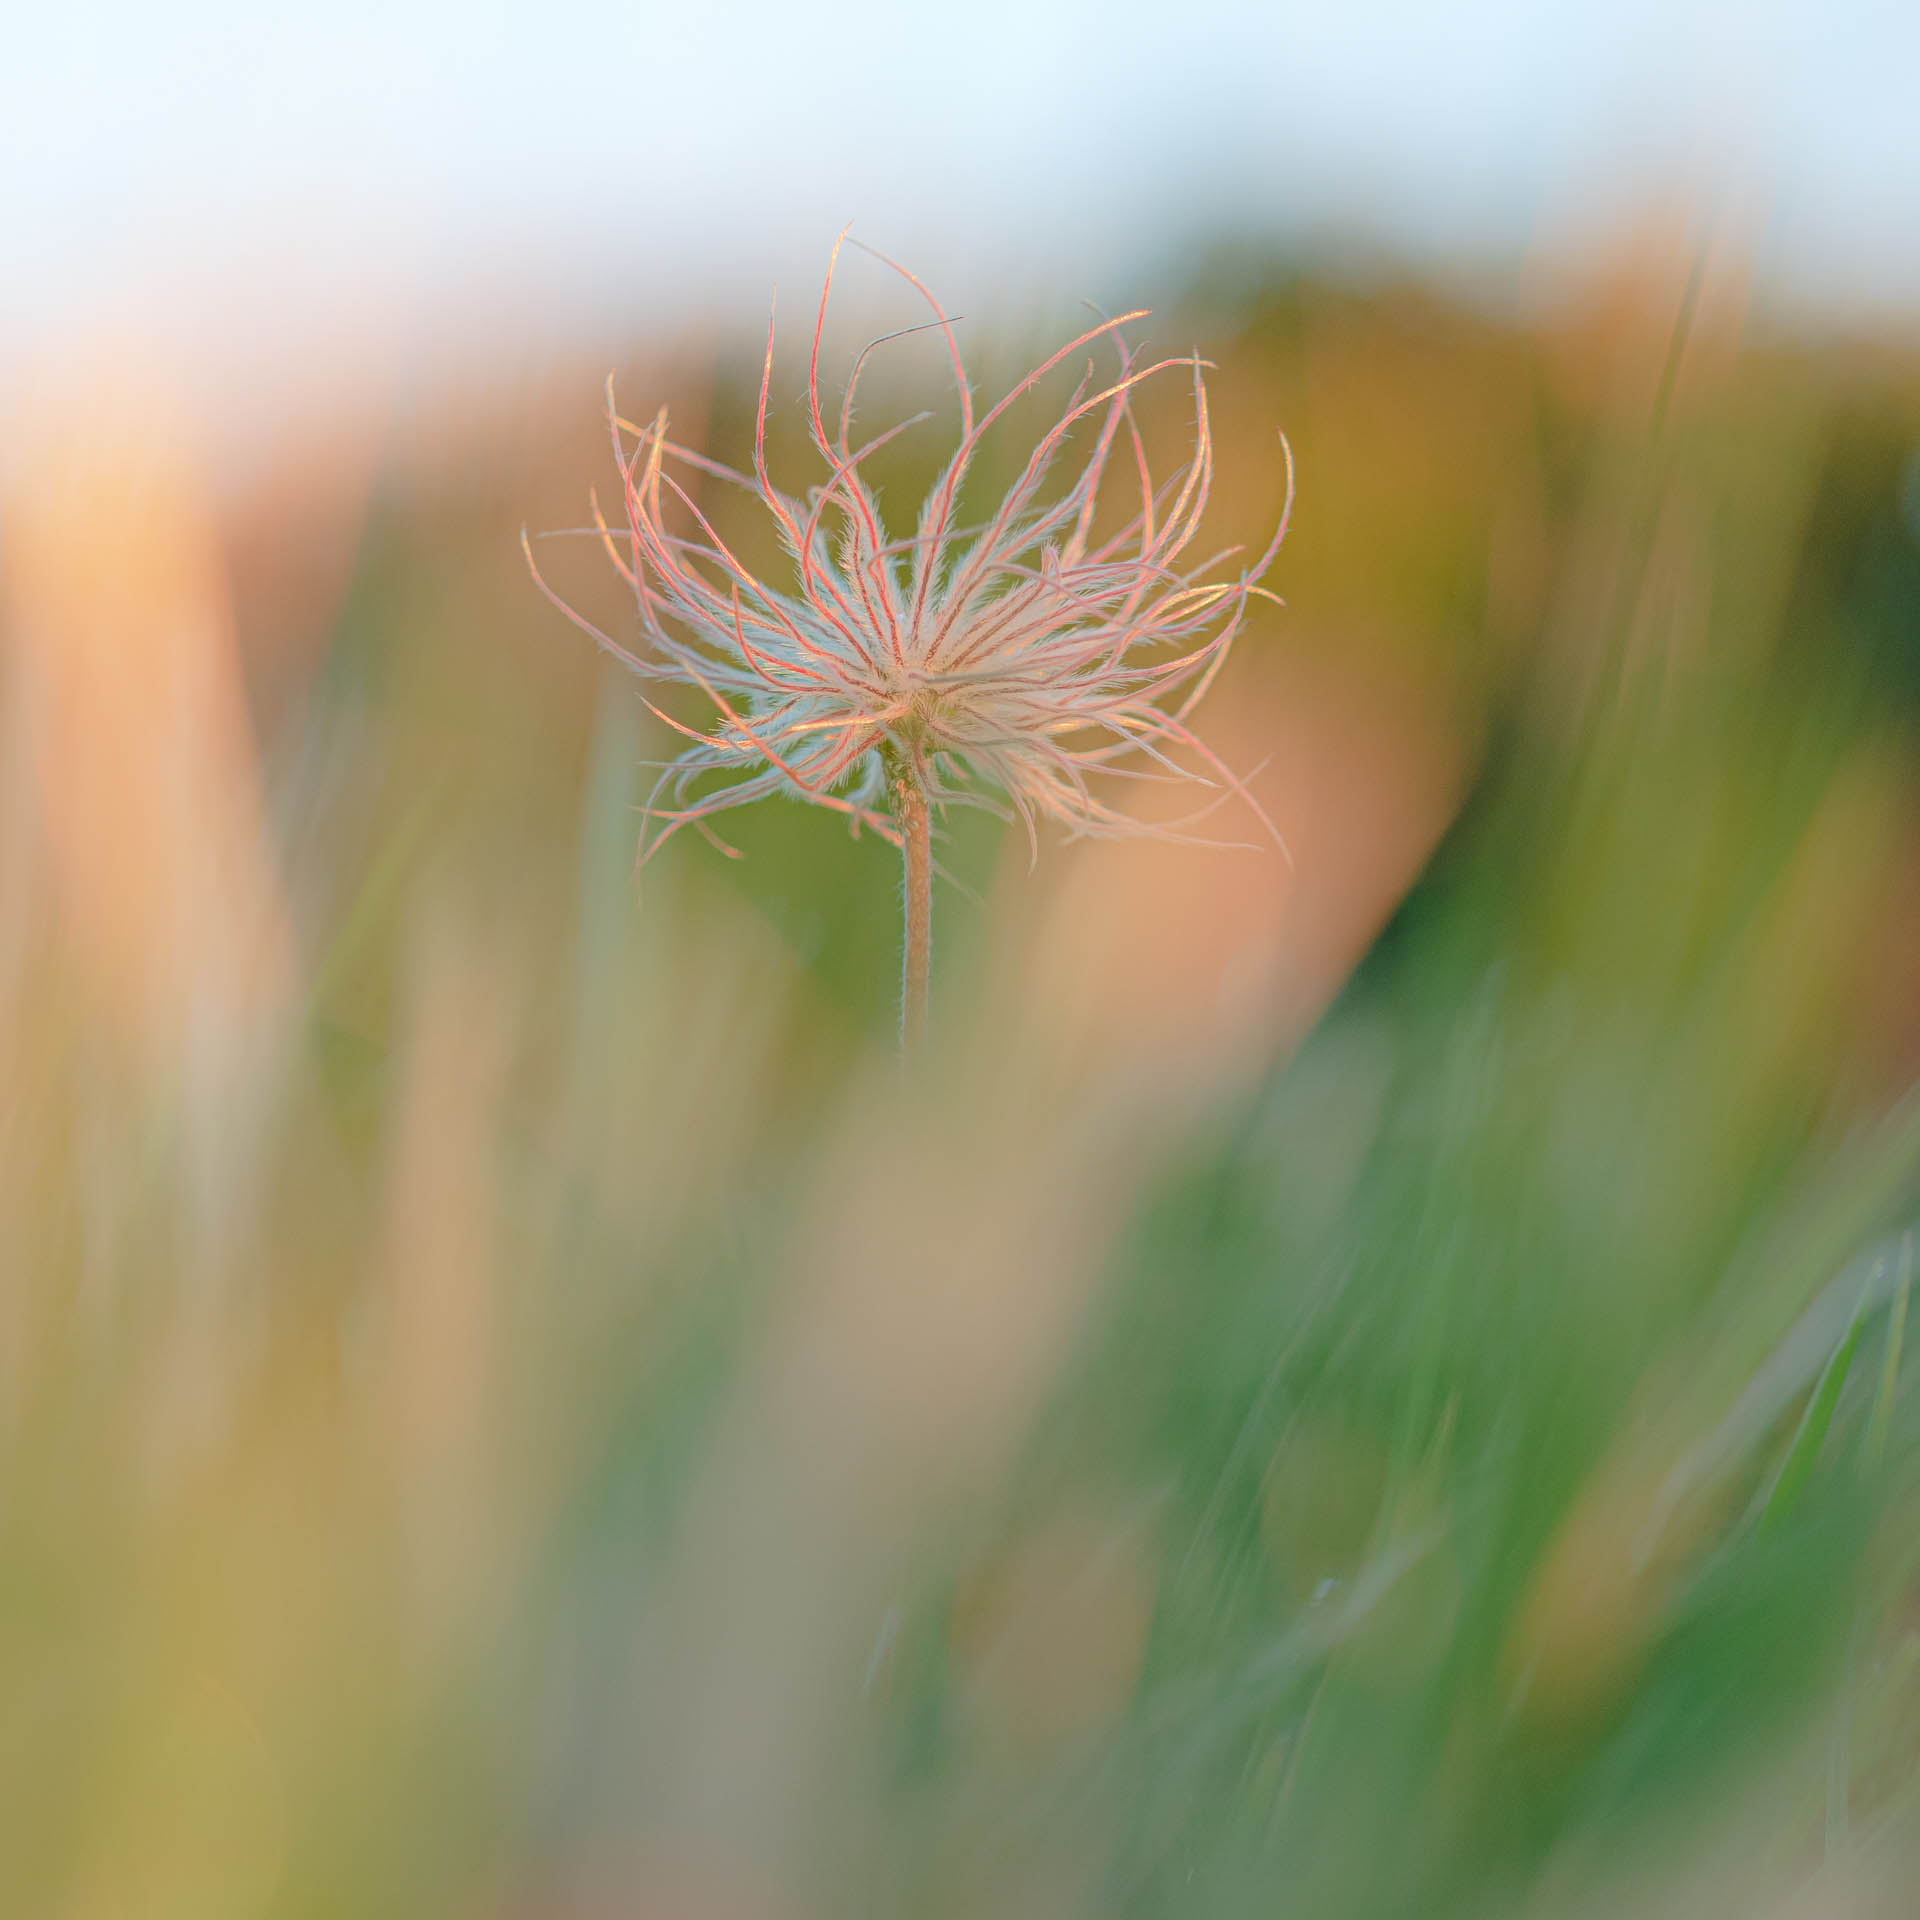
646, 149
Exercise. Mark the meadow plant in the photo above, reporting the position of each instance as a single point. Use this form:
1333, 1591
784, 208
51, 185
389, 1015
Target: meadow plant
1015, 664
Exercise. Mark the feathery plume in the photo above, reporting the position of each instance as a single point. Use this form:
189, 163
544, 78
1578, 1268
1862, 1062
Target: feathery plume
1014, 666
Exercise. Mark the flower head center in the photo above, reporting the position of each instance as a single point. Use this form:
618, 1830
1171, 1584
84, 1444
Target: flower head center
920, 725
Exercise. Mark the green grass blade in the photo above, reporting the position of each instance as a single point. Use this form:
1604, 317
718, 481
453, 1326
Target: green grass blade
1890, 1372
1814, 1423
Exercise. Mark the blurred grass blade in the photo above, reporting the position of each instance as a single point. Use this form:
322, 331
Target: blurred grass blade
1814, 1423
1890, 1372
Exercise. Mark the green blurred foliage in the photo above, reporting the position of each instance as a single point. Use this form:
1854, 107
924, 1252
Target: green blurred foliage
1388, 1541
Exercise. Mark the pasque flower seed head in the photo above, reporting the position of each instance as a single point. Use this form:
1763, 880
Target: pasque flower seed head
1017, 664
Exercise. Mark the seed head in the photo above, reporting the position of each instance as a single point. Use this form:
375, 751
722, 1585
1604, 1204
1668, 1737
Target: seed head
1015, 665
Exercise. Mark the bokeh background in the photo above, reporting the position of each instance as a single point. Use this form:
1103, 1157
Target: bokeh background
1377, 1384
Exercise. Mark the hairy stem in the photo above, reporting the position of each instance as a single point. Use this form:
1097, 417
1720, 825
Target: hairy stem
916, 848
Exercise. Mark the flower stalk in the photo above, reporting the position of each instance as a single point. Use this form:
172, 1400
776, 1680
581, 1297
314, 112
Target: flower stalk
914, 819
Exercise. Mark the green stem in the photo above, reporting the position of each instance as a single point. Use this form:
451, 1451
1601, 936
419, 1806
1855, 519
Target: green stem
916, 849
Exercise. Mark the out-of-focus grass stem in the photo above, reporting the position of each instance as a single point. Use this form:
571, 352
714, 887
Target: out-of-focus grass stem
1890, 1373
